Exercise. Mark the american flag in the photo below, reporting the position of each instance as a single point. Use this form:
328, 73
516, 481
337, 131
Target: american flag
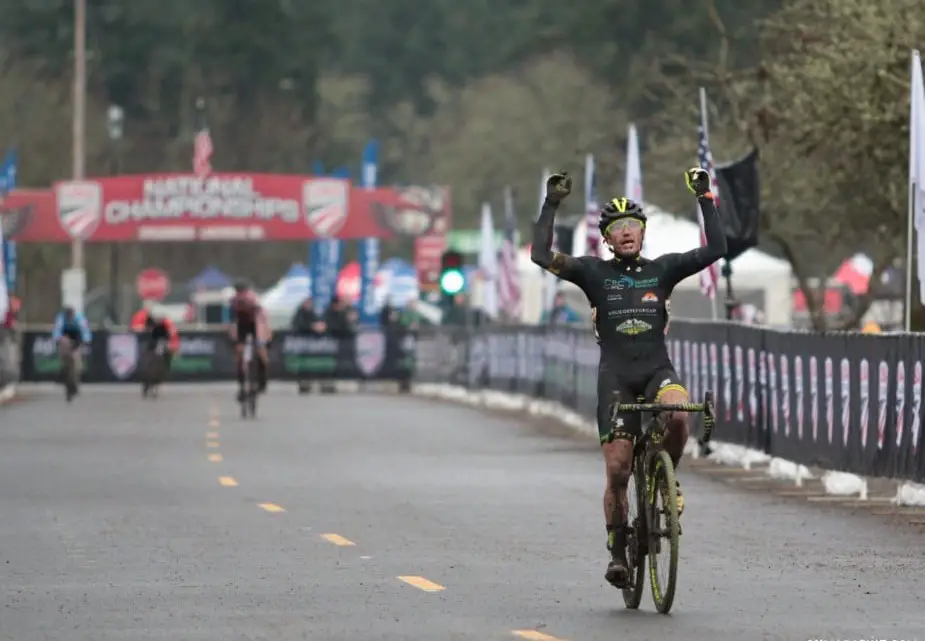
202, 153
592, 212
509, 276
708, 276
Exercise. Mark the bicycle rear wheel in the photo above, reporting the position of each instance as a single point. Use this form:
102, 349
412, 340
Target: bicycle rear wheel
664, 531
252, 385
636, 538
69, 386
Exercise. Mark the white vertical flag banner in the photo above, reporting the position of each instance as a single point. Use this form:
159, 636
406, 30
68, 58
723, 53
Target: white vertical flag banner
488, 263
916, 184
633, 187
592, 210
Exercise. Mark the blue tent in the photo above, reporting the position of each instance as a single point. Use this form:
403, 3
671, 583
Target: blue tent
210, 278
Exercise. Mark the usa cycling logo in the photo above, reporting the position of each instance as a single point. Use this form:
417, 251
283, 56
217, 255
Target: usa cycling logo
626, 282
80, 207
122, 354
325, 201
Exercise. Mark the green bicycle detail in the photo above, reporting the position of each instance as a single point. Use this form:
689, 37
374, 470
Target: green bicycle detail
653, 520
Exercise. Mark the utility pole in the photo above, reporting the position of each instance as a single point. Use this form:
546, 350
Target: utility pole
79, 117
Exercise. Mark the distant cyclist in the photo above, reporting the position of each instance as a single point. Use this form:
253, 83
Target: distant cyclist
70, 332
248, 318
629, 296
159, 328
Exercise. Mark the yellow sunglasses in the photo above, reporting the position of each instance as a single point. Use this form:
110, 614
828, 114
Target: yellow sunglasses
624, 223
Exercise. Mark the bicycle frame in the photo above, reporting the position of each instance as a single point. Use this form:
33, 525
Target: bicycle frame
649, 444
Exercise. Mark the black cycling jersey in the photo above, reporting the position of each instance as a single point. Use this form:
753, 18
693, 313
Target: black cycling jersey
629, 296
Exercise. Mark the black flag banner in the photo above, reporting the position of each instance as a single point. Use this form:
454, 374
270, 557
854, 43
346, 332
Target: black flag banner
740, 202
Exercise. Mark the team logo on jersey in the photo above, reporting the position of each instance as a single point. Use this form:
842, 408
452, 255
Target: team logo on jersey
627, 282
325, 204
80, 207
370, 348
633, 327
122, 354
649, 297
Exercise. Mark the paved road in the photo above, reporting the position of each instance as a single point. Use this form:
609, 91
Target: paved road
115, 526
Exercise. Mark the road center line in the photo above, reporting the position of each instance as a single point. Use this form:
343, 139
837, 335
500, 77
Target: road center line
227, 481
270, 507
214, 423
212, 435
215, 458
534, 635
212, 444
337, 539
421, 583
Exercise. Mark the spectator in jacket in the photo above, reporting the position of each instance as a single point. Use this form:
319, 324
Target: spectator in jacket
561, 313
306, 320
410, 317
389, 315
340, 319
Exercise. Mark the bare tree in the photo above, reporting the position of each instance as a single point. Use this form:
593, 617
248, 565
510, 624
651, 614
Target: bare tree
827, 107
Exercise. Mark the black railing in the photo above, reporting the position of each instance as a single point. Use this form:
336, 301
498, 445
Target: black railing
843, 401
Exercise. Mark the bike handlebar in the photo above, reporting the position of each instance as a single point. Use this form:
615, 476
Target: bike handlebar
661, 407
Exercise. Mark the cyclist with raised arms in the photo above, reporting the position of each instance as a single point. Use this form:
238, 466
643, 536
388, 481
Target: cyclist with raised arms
629, 295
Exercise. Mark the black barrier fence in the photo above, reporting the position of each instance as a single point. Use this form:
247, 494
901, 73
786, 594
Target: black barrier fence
114, 356
843, 401
9, 357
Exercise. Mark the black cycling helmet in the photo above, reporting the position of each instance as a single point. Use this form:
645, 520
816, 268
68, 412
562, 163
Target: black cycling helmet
620, 208
241, 286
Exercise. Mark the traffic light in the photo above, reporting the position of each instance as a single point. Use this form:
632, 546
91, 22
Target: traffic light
452, 277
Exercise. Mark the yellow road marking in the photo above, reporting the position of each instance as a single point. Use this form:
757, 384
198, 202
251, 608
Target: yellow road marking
212, 444
227, 481
270, 507
337, 539
533, 635
212, 435
421, 583
216, 458
214, 423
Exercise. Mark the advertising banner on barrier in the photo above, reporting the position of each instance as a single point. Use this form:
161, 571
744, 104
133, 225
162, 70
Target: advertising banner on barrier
850, 402
115, 357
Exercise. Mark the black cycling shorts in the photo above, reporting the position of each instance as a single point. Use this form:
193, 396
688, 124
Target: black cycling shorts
245, 329
649, 386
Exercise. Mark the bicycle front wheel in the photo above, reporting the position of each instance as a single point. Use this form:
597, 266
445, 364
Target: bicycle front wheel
664, 531
636, 538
